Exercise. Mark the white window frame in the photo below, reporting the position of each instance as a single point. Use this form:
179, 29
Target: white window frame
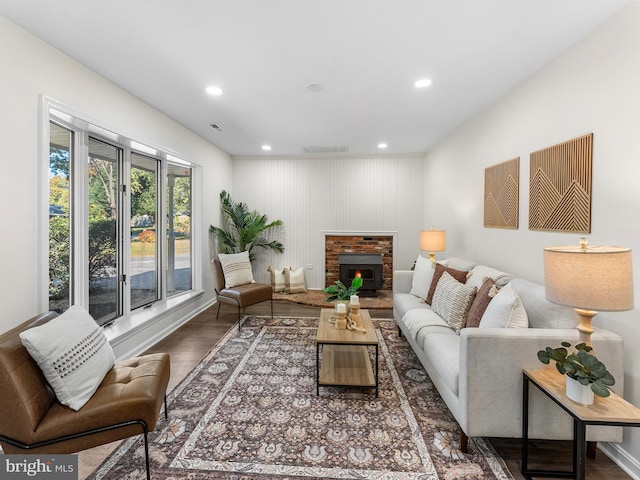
83, 126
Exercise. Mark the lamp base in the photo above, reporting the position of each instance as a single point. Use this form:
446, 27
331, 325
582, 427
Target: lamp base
432, 256
584, 327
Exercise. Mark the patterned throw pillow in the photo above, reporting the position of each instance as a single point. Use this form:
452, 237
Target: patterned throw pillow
459, 275
452, 300
277, 279
73, 354
236, 268
294, 280
480, 303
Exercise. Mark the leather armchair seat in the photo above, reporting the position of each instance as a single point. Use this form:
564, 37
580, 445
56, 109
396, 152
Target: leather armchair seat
126, 403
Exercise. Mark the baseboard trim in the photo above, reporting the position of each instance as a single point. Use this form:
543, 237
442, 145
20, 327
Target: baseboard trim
621, 457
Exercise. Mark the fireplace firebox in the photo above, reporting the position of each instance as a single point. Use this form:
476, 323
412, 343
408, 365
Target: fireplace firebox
367, 265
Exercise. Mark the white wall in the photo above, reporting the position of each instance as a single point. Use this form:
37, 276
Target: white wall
593, 87
31, 68
316, 195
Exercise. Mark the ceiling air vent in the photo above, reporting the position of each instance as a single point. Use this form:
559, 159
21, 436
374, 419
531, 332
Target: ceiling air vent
319, 149
216, 127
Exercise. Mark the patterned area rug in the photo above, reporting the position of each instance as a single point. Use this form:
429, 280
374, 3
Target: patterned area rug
249, 410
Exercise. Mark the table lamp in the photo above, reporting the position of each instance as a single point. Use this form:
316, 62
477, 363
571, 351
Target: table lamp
433, 241
590, 279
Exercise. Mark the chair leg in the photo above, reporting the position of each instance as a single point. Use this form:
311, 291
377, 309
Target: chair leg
239, 316
272, 309
218, 312
166, 408
146, 452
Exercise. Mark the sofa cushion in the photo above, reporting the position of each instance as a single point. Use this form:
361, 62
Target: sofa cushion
294, 280
540, 311
277, 279
459, 275
73, 354
419, 318
505, 310
236, 268
422, 276
459, 263
443, 351
480, 303
478, 274
404, 302
452, 300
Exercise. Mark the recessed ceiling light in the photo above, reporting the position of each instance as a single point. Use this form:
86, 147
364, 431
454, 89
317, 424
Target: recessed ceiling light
266, 148
213, 90
424, 82
314, 87
382, 146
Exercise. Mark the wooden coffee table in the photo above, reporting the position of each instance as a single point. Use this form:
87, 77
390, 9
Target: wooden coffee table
345, 354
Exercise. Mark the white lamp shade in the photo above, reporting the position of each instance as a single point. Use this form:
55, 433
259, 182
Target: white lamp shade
433, 240
594, 278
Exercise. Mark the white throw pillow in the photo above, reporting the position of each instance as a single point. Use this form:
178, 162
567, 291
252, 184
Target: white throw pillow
73, 354
478, 274
236, 268
452, 300
277, 279
294, 280
422, 276
505, 310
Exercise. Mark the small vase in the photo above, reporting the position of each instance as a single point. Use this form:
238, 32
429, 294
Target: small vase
578, 392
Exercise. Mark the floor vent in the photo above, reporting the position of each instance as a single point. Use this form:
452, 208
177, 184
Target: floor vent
319, 149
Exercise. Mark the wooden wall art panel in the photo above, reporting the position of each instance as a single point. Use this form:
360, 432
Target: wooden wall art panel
501, 194
560, 187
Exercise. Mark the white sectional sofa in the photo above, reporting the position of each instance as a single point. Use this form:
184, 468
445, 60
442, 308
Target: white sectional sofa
478, 371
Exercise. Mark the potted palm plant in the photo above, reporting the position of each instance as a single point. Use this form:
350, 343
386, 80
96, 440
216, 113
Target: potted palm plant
243, 229
585, 374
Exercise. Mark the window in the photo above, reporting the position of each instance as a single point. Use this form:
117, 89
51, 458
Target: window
60, 155
178, 229
105, 296
120, 235
145, 288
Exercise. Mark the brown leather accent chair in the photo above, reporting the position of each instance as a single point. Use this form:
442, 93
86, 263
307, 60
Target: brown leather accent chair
32, 420
240, 296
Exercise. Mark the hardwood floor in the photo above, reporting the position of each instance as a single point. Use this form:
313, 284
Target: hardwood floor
191, 342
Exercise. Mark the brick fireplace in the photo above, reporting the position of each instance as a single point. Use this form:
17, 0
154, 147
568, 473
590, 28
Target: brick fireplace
378, 244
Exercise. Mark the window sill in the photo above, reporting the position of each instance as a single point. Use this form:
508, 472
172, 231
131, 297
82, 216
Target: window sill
151, 324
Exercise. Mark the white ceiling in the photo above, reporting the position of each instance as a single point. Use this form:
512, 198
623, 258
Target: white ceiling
366, 55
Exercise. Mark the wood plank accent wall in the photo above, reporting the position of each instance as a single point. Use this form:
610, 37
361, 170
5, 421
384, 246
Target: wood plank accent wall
336, 244
320, 195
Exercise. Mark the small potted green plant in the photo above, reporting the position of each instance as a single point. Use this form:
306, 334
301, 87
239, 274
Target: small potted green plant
582, 367
339, 293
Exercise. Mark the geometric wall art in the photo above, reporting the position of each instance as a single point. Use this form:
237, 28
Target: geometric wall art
501, 194
560, 187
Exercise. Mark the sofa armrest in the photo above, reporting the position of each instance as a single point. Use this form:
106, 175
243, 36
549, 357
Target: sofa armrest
402, 281
491, 363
